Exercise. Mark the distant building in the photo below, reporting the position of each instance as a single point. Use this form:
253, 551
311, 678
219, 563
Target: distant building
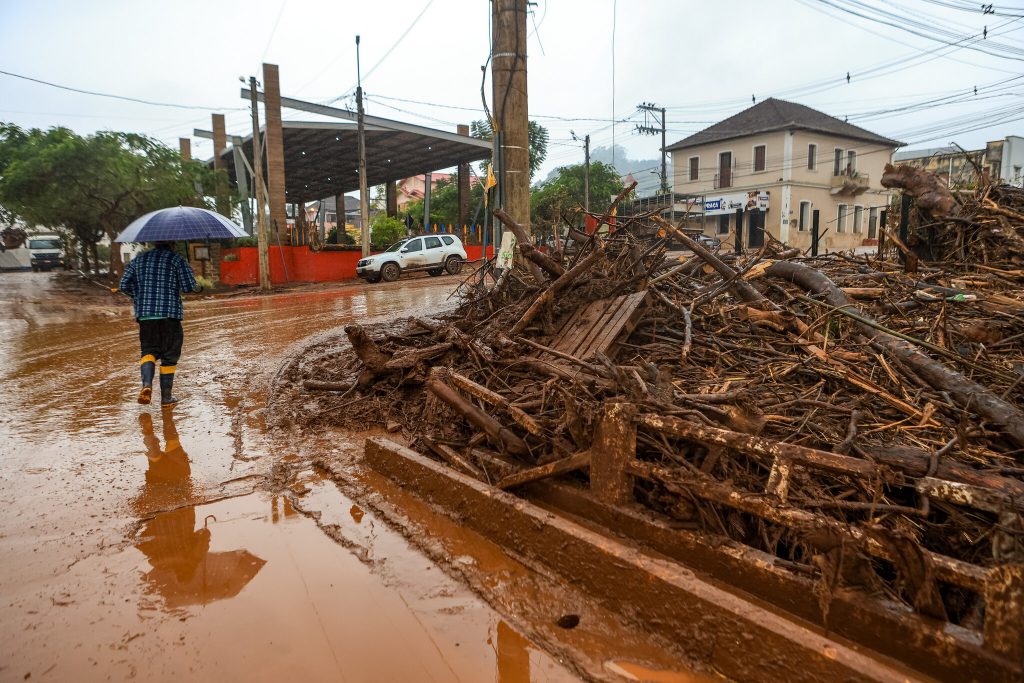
958, 167
768, 168
411, 189
1002, 159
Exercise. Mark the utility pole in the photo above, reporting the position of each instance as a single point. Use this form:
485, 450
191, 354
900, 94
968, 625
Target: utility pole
364, 199
586, 169
511, 121
650, 109
428, 180
586, 172
262, 232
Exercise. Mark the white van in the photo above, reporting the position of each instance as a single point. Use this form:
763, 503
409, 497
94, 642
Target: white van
46, 251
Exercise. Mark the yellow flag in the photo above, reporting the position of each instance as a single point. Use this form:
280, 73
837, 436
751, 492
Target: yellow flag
489, 182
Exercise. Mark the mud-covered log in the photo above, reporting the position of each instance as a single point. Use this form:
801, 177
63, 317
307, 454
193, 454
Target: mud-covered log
498, 434
1004, 611
968, 394
572, 463
766, 449
492, 397
928, 191
613, 448
916, 463
738, 285
554, 268
366, 349
408, 359
323, 385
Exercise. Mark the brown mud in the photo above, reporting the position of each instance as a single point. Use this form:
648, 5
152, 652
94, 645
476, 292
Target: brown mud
191, 542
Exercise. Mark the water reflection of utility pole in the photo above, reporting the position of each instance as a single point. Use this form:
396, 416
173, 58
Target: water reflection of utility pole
513, 656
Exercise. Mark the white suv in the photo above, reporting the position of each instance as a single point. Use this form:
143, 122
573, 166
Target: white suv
432, 253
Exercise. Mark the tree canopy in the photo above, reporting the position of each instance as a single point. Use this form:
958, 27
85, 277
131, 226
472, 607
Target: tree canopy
97, 184
385, 230
564, 192
538, 140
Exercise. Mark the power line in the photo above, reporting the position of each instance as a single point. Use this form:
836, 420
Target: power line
273, 31
380, 61
117, 97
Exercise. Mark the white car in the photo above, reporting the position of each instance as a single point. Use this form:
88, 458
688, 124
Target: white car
433, 253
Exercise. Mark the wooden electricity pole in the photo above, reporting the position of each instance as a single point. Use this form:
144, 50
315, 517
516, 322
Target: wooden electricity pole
262, 236
511, 120
364, 191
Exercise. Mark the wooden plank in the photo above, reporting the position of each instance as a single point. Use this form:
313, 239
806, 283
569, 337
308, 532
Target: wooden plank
581, 325
613, 327
611, 310
586, 346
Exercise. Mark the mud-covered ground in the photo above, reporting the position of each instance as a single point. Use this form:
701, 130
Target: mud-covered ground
196, 544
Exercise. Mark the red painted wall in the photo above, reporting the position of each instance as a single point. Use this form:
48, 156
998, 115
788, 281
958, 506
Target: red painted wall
301, 264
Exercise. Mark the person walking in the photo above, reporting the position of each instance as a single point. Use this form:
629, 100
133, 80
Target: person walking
155, 280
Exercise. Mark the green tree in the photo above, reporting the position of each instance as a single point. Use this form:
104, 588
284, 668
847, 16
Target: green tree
385, 230
537, 135
96, 185
444, 203
564, 192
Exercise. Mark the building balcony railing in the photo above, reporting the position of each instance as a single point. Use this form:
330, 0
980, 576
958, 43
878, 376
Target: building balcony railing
850, 183
723, 180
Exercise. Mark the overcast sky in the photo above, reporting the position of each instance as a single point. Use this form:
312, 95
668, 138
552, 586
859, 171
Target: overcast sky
702, 60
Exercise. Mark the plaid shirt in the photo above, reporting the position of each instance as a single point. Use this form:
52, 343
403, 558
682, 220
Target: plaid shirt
155, 280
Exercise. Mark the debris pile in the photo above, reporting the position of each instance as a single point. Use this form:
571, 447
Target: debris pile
982, 228
862, 425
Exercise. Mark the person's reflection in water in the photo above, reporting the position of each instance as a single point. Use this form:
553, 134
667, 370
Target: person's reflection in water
184, 571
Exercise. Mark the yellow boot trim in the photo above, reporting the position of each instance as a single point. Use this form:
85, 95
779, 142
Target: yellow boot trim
168, 369
148, 358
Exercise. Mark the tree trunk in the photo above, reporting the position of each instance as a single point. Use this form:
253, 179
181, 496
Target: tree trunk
95, 258
116, 264
83, 246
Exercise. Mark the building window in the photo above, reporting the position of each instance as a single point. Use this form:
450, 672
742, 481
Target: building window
812, 156
873, 222
837, 162
725, 169
694, 168
805, 216
858, 216
841, 219
723, 224
759, 158
851, 162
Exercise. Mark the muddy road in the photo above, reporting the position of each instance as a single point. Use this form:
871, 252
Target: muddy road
140, 542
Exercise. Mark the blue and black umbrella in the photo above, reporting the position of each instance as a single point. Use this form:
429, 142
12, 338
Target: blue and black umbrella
180, 223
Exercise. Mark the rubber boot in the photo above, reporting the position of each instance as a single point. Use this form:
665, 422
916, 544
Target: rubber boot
148, 368
166, 384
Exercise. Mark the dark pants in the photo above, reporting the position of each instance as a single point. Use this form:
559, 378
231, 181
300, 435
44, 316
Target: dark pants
161, 339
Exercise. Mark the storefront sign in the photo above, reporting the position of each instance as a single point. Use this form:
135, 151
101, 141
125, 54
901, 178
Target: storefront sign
730, 203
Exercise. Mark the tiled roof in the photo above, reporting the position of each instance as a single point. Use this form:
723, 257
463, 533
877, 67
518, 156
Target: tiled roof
772, 115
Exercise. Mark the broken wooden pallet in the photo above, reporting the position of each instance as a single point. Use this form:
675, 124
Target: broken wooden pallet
596, 326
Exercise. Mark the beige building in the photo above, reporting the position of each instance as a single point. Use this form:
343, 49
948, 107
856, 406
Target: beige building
768, 168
